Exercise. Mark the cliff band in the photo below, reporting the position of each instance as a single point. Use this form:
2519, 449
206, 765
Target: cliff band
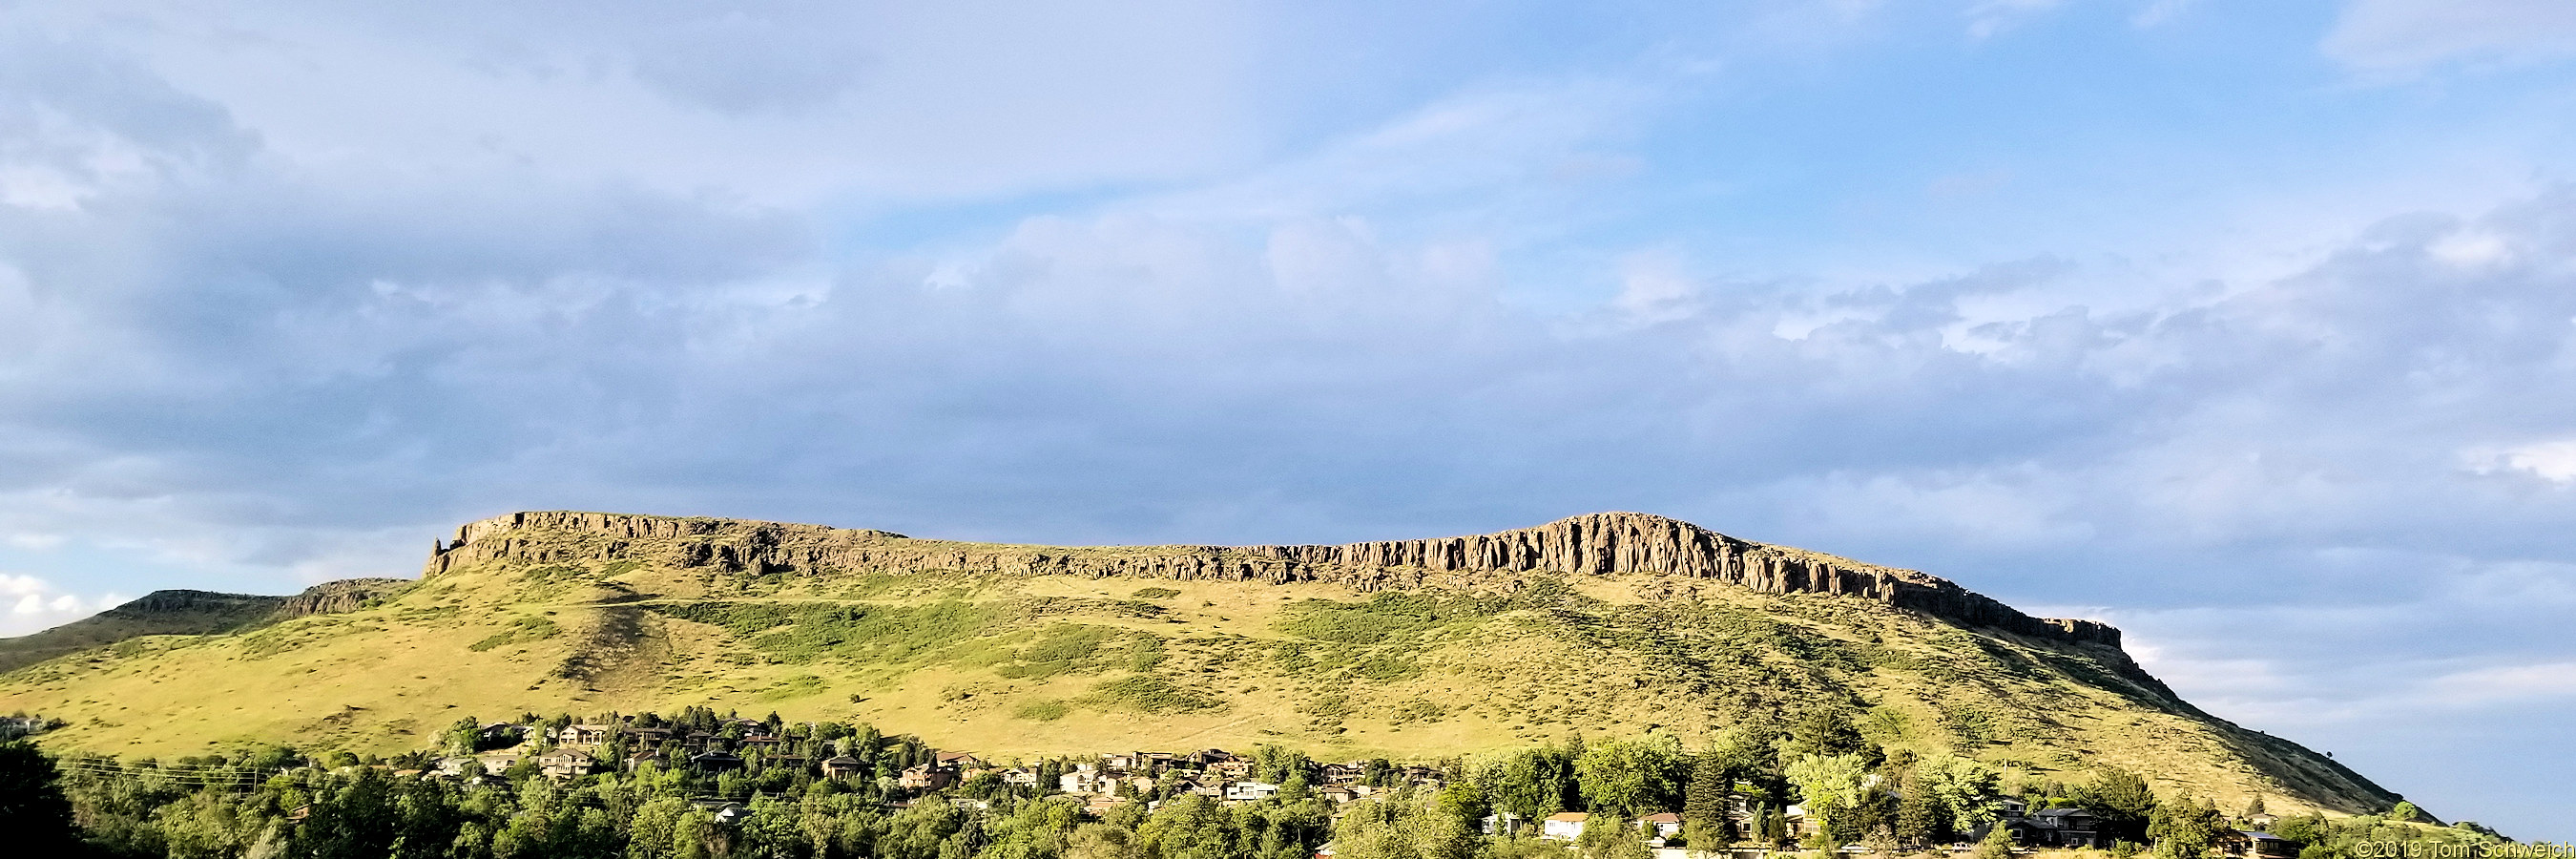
1598, 544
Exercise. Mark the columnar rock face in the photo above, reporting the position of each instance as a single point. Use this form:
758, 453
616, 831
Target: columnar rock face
1598, 544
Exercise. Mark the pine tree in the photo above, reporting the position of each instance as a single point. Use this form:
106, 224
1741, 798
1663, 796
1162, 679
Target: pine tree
1704, 823
1919, 819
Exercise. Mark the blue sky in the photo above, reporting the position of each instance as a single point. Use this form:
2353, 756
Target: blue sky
2249, 327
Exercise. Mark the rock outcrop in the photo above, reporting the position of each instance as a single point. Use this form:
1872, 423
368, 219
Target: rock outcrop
1598, 544
339, 596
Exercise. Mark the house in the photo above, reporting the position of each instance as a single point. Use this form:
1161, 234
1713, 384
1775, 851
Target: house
1250, 791
1795, 824
1337, 795
843, 768
500, 735
2255, 845
2060, 827
565, 763
1084, 781
1567, 826
1102, 804
927, 777
727, 813
650, 736
963, 761
458, 766
1504, 823
715, 761
637, 760
1660, 828
1231, 769
1020, 777
1343, 773
582, 735
498, 763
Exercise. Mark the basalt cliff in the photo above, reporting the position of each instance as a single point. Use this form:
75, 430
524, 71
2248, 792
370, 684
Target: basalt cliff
1597, 544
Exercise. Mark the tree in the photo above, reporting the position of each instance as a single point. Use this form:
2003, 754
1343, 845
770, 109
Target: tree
1704, 822
1404, 825
33, 808
1622, 778
2184, 829
2122, 799
2309, 828
2405, 812
1825, 733
1920, 817
1961, 790
1527, 783
1774, 826
1829, 786
1882, 842
1998, 844
1611, 837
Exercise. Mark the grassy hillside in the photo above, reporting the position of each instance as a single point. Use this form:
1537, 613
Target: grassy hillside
1021, 663
187, 612
176, 612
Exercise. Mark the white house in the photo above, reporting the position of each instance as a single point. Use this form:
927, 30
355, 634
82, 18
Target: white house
1563, 827
1083, 781
1250, 790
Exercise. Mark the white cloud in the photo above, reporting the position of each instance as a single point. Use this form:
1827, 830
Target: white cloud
2395, 36
36, 604
2550, 460
1986, 18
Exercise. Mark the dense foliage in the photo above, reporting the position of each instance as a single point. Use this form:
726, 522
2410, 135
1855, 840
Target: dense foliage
650, 800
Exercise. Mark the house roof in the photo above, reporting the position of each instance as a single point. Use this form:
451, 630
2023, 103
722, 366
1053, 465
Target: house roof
2065, 812
1569, 817
1666, 817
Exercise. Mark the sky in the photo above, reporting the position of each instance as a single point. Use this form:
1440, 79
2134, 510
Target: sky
2248, 327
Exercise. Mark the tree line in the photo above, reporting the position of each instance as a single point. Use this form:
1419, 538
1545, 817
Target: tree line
265, 802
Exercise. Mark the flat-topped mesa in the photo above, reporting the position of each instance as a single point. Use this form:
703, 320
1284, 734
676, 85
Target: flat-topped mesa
1592, 544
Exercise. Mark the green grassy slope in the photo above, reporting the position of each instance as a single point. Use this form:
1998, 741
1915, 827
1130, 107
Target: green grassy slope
186, 612
550, 619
